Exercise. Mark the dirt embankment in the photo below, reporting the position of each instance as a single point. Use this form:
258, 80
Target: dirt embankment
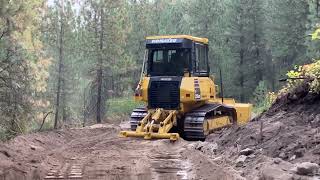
274, 144
97, 153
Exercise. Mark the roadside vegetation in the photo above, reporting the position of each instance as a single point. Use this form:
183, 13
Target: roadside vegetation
119, 109
309, 74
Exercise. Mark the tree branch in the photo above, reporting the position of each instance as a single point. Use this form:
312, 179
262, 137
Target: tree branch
44, 119
2, 35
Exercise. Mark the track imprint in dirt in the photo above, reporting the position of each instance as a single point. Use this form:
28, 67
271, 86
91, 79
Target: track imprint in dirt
97, 153
69, 170
170, 166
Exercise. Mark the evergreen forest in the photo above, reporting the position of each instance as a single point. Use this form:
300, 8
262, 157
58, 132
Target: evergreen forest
76, 62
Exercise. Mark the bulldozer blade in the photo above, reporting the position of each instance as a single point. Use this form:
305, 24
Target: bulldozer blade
149, 135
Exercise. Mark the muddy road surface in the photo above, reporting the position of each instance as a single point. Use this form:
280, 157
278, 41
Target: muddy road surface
97, 152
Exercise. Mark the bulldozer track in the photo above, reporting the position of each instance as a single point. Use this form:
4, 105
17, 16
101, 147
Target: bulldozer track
137, 115
194, 120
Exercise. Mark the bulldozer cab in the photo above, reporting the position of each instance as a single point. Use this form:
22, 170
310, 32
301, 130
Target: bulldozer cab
179, 55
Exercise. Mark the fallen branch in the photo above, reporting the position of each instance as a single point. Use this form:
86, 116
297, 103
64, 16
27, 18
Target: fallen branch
2, 35
44, 119
297, 78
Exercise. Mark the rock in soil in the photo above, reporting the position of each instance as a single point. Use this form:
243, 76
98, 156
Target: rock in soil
240, 161
5, 153
246, 151
306, 168
274, 173
206, 147
277, 160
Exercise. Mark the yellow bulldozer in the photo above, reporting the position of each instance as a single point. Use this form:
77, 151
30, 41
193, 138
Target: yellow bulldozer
180, 95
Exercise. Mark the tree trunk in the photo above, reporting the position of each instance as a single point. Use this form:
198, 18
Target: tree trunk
63, 98
60, 67
99, 83
241, 74
317, 7
84, 107
99, 70
241, 68
256, 40
273, 77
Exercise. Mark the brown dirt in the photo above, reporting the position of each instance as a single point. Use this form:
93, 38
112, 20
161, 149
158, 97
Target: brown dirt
97, 153
290, 134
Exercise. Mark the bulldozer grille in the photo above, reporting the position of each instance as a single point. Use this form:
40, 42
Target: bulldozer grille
164, 94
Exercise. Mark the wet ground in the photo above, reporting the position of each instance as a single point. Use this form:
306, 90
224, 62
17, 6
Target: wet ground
98, 153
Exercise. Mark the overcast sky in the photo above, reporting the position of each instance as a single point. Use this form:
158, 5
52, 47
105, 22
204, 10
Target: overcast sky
50, 2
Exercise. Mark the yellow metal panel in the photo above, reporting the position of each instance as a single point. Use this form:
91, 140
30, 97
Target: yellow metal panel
196, 39
144, 89
205, 85
226, 101
243, 110
145, 85
218, 122
187, 107
243, 113
187, 90
148, 135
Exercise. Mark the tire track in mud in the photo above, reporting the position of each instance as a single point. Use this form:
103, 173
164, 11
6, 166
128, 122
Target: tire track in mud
116, 158
98, 153
170, 166
66, 171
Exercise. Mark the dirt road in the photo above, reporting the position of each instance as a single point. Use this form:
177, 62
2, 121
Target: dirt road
97, 153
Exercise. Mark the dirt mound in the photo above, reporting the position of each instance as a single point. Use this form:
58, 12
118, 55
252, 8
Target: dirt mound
289, 131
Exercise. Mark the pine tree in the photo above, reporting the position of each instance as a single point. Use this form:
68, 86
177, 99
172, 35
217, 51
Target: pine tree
247, 45
313, 51
22, 65
106, 35
285, 35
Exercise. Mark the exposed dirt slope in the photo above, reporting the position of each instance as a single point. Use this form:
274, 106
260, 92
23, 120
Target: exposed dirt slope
97, 153
287, 134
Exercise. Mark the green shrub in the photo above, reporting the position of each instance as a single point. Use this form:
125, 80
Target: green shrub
313, 72
6, 133
3, 134
121, 106
262, 98
310, 72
